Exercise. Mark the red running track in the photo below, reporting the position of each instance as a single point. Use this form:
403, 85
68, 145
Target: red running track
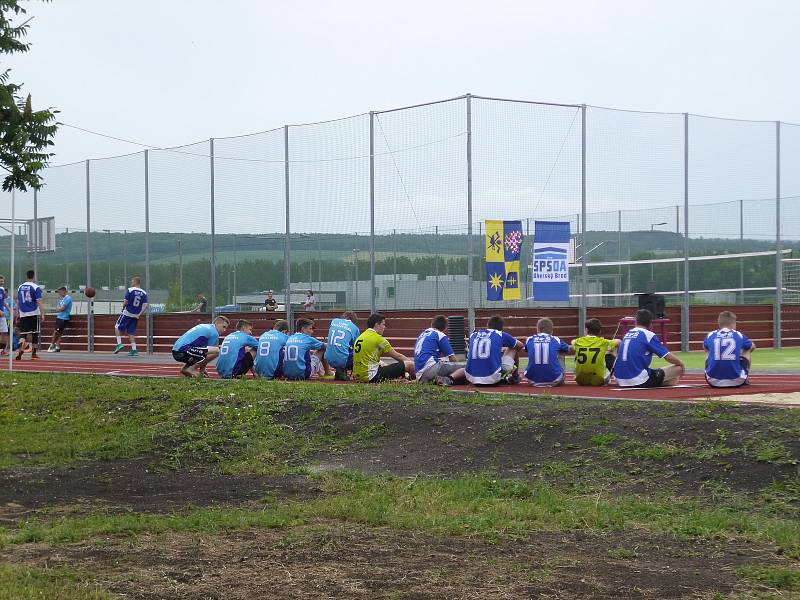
693, 386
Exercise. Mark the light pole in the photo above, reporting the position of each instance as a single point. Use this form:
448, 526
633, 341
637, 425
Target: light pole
652, 265
355, 276
180, 276
124, 257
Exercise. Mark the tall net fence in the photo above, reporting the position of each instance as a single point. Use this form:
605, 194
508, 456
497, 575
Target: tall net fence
387, 210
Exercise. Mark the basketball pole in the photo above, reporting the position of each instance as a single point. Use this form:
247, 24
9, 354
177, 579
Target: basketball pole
11, 287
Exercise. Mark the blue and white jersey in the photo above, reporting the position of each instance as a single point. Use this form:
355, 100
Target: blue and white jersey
634, 356
136, 299
339, 349
269, 358
27, 295
297, 355
66, 304
485, 358
232, 351
199, 336
432, 345
3, 299
723, 366
543, 364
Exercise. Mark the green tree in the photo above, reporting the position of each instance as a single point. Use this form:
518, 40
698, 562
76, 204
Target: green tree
25, 134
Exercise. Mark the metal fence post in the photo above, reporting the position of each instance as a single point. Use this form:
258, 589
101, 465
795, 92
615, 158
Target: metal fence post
372, 306
287, 250
213, 238
436, 267
685, 305
470, 298
149, 315
619, 255
777, 340
677, 233
90, 305
394, 265
14, 282
741, 249
36, 232
584, 267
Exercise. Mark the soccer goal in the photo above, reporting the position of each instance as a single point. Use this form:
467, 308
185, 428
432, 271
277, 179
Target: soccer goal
791, 280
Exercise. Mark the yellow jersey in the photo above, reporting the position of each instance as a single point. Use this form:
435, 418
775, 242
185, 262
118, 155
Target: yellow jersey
590, 359
367, 351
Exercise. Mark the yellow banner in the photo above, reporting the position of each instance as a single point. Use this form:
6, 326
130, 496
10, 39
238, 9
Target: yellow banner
494, 241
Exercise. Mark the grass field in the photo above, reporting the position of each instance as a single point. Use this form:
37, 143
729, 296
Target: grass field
208, 489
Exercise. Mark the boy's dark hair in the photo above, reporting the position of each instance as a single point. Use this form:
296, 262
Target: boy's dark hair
281, 325
495, 322
439, 322
302, 322
644, 317
544, 325
594, 327
242, 323
30, 274
374, 319
350, 316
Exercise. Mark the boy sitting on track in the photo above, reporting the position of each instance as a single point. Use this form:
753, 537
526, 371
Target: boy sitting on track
238, 350
727, 354
594, 355
493, 355
303, 353
368, 350
199, 346
339, 351
269, 359
632, 368
545, 356
431, 348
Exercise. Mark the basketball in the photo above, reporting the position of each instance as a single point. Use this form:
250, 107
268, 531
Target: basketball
89, 292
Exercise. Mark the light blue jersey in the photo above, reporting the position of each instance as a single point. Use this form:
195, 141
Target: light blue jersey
485, 359
635, 353
199, 336
432, 345
724, 366
339, 349
269, 359
66, 303
232, 352
544, 365
297, 355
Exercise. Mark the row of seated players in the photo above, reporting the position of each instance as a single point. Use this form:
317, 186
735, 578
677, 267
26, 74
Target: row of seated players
493, 355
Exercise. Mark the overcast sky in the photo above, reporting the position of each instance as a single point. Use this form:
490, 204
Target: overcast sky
169, 72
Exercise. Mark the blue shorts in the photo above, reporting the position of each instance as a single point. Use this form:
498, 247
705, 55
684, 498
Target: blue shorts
127, 324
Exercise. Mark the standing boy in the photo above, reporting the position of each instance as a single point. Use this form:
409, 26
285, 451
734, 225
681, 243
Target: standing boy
199, 346
339, 350
5, 312
545, 356
238, 351
493, 355
368, 350
594, 355
432, 347
133, 306
30, 309
270, 355
303, 353
727, 353
632, 368
63, 311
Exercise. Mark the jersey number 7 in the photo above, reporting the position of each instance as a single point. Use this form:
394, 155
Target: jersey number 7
583, 355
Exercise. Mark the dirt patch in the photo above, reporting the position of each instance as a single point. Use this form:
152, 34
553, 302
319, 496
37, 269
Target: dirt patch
135, 485
330, 560
688, 447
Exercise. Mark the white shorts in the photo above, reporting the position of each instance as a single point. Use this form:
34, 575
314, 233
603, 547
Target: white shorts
3, 325
507, 364
316, 365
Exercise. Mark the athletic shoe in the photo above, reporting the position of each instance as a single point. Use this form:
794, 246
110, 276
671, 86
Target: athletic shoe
445, 381
118, 348
133, 352
341, 375
51, 348
35, 357
19, 355
58, 348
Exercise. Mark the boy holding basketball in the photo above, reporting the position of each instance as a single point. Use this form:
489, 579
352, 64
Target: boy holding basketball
133, 306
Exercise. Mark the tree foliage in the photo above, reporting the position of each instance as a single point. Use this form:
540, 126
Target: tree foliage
25, 134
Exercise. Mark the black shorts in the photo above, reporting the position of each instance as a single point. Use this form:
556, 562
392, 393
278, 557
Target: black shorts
655, 380
190, 356
61, 325
28, 324
243, 366
394, 370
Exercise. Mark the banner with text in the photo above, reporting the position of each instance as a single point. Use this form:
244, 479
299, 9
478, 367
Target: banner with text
549, 268
503, 247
